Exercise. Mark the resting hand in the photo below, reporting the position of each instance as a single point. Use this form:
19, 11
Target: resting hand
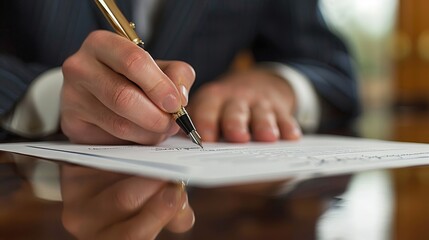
243, 106
114, 92
101, 205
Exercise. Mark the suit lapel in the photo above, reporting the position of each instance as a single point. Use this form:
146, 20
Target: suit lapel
179, 19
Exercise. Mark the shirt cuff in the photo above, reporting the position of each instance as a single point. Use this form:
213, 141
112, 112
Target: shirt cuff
38, 113
308, 109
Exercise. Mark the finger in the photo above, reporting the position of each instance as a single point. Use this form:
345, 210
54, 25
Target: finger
93, 122
116, 204
116, 92
114, 130
82, 132
73, 177
137, 65
152, 218
205, 109
264, 125
74, 105
289, 128
235, 121
184, 219
122, 128
182, 75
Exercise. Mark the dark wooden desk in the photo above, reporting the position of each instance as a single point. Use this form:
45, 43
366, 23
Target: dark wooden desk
316, 209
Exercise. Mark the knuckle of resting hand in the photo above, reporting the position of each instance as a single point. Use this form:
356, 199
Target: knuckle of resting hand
212, 90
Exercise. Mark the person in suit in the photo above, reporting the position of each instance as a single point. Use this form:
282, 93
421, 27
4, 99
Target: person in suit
37, 37
115, 92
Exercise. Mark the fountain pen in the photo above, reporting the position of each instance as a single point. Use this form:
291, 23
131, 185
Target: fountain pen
127, 29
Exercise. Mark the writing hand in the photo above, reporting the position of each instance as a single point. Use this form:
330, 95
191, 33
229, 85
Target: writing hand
243, 106
114, 92
102, 205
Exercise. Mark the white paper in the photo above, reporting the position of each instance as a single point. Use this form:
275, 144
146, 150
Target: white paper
220, 164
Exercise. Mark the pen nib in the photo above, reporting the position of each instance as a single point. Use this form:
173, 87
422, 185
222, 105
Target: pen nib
195, 137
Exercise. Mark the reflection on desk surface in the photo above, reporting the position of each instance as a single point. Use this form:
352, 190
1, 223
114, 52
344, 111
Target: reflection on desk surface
369, 205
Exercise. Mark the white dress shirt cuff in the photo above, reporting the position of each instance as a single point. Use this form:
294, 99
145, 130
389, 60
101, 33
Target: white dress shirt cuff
308, 109
38, 113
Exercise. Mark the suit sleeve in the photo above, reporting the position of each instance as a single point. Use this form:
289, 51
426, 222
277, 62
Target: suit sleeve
16, 74
15, 78
295, 33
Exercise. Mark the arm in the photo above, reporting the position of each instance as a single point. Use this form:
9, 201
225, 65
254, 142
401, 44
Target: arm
311, 48
262, 104
17, 68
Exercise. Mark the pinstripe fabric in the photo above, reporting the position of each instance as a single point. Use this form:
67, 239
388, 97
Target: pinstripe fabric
37, 35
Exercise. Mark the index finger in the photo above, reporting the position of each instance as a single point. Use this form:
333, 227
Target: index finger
126, 58
182, 75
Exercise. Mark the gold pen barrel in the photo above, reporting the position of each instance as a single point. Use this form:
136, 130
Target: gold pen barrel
118, 21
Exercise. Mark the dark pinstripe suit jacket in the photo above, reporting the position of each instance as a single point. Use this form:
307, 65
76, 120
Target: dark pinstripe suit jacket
38, 35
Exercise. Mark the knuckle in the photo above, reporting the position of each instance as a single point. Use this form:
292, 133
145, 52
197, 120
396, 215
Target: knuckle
124, 97
212, 90
187, 71
121, 127
92, 41
160, 123
71, 66
263, 104
95, 37
243, 93
158, 87
133, 60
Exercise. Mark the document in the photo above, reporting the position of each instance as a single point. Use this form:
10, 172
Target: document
222, 164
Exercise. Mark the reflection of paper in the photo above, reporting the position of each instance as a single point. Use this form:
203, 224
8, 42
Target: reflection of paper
226, 164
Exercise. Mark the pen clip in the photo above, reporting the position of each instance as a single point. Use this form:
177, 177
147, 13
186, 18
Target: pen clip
118, 21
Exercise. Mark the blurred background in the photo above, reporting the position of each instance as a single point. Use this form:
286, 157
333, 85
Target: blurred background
390, 42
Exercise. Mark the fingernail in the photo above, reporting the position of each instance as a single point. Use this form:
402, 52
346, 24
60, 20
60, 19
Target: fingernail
296, 132
185, 94
241, 130
170, 103
269, 129
171, 195
185, 204
275, 131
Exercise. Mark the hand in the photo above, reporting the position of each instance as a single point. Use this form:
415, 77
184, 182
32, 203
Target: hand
102, 205
114, 92
243, 106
